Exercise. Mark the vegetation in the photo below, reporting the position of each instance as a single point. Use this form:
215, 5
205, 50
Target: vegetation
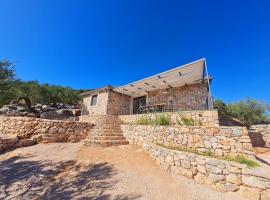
238, 159
160, 119
243, 160
248, 111
187, 121
13, 89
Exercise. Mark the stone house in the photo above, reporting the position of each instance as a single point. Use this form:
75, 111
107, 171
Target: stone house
183, 88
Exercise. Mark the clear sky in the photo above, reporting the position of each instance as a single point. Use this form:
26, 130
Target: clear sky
88, 44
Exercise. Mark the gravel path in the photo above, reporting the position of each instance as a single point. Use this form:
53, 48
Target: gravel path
73, 171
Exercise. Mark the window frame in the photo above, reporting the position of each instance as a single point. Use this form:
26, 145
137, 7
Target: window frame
91, 100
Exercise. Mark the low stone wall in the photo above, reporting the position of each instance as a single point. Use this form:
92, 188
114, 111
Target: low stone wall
44, 130
221, 175
264, 131
221, 141
200, 117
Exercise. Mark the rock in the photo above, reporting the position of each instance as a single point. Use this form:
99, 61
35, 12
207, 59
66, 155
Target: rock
231, 187
201, 169
232, 178
169, 160
250, 193
265, 195
253, 182
216, 178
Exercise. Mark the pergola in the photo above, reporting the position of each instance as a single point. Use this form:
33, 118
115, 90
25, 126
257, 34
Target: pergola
191, 73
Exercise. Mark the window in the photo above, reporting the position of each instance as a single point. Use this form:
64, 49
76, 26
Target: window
93, 100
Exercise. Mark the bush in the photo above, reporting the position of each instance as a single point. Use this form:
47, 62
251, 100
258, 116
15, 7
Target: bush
160, 119
187, 121
144, 121
248, 111
243, 160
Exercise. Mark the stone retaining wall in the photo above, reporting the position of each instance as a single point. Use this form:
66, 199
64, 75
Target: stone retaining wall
44, 130
200, 117
264, 130
221, 141
221, 175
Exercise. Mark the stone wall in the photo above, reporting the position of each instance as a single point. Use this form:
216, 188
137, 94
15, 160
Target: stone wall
221, 141
44, 130
189, 97
100, 108
264, 131
118, 104
221, 175
200, 117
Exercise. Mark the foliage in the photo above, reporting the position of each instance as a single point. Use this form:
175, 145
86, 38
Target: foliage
12, 89
160, 119
248, 111
163, 119
144, 121
243, 160
7, 79
187, 121
238, 159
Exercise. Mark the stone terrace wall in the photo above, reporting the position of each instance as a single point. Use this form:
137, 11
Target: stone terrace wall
221, 175
201, 117
221, 141
48, 130
264, 130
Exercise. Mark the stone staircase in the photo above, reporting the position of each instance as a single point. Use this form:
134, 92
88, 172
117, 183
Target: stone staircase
106, 132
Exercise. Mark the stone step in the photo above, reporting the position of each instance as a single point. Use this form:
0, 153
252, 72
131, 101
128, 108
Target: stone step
105, 143
106, 134
107, 137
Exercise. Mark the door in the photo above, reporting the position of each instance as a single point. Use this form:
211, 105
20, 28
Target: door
137, 102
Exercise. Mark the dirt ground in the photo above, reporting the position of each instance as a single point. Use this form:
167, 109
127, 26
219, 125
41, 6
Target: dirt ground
73, 171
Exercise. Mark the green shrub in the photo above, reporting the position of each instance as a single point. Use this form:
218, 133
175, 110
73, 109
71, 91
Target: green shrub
144, 121
243, 160
187, 121
248, 111
160, 119
163, 120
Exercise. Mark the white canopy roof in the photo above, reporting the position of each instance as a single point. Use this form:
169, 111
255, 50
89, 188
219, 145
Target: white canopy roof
186, 74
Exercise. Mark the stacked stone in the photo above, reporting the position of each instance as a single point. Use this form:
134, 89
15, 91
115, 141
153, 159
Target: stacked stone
263, 132
106, 132
221, 141
200, 117
221, 175
41, 130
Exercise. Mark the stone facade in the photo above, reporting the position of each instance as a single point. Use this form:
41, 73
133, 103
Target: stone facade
189, 97
264, 132
221, 141
118, 104
42, 130
200, 117
100, 108
108, 102
221, 175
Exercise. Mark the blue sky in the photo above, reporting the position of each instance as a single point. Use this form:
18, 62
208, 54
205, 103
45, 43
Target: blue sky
89, 44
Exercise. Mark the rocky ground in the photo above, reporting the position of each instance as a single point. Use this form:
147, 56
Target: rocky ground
73, 171
52, 111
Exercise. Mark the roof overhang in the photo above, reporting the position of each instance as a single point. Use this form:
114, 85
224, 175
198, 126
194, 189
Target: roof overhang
190, 73
95, 91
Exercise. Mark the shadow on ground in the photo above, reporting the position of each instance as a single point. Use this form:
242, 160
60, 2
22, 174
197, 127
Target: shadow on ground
23, 178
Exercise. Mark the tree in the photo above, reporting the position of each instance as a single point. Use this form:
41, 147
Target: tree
7, 79
248, 111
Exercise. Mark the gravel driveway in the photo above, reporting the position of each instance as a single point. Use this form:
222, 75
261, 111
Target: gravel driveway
73, 171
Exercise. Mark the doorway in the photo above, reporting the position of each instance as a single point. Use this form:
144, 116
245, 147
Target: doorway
137, 102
